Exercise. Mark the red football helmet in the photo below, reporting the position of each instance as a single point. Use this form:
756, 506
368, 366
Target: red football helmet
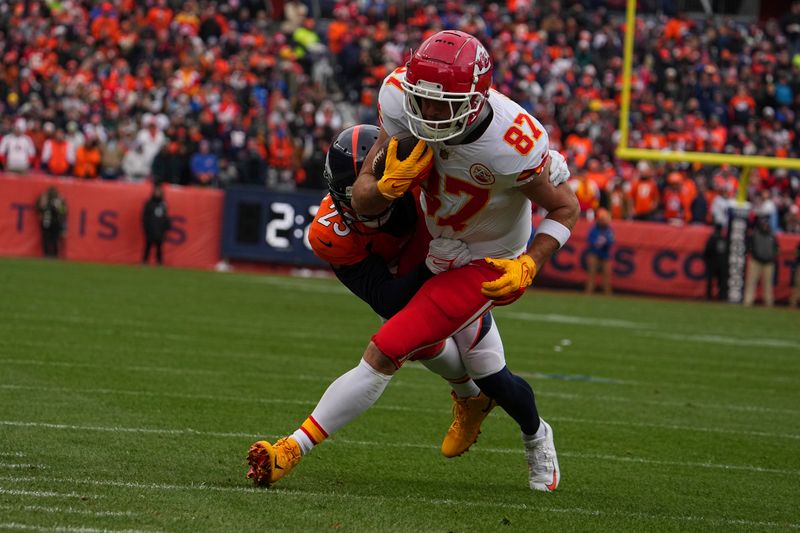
452, 67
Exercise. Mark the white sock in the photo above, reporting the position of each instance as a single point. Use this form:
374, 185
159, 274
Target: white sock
346, 398
541, 432
448, 365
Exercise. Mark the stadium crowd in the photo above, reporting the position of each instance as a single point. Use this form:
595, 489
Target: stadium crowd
242, 91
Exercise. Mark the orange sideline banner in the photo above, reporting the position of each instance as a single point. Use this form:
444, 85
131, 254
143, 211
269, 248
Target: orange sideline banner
654, 258
104, 221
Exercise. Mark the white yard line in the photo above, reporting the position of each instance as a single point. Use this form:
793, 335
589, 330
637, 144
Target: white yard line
12, 454
379, 406
677, 427
189, 431
348, 442
293, 284
720, 339
67, 529
163, 369
574, 320
40, 493
395, 500
668, 403
99, 331
681, 464
68, 510
648, 330
397, 382
18, 465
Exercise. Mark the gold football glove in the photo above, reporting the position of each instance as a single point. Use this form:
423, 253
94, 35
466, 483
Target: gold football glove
517, 274
399, 176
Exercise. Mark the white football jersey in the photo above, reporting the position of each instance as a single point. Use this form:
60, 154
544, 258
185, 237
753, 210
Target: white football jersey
472, 193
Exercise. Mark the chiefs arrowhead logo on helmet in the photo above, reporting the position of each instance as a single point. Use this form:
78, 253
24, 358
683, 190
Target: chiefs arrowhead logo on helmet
483, 62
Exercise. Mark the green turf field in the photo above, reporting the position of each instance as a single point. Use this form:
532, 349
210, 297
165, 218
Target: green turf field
129, 397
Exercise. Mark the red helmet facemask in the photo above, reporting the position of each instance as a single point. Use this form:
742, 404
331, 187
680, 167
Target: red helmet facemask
453, 71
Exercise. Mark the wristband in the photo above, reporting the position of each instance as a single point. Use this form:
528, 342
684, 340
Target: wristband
555, 229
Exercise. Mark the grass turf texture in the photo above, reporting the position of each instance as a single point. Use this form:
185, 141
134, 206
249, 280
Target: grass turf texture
129, 397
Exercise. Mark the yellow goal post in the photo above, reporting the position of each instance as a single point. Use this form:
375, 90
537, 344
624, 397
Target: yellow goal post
745, 162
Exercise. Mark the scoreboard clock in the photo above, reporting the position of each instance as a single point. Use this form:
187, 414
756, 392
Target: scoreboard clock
261, 225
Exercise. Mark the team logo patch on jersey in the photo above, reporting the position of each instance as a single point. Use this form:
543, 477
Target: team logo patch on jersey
481, 174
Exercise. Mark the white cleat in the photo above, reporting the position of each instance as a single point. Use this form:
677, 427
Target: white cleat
543, 472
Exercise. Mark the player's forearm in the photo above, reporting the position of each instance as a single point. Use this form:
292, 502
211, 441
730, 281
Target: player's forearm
367, 199
544, 245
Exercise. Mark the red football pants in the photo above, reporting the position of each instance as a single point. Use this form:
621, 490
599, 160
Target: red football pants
443, 306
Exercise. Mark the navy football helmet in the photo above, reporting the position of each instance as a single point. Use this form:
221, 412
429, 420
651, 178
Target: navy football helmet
342, 165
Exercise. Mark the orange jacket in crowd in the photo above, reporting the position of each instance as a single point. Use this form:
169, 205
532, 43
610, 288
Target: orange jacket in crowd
675, 28
587, 192
87, 160
600, 176
644, 194
618, 204
337, 30
718, 138
105, 26
675, 206
57, 156
159, 18
281, 151
581, 148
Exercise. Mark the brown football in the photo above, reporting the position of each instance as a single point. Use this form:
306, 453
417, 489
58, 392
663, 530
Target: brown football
405, 145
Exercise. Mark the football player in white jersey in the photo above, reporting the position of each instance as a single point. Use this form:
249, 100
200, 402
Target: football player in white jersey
491, 160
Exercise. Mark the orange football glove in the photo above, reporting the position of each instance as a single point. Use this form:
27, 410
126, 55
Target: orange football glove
517, 274
400, 176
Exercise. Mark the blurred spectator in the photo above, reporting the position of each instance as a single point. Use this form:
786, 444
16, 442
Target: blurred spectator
676, 201
644, 194
156, 223
579, 145
17, 151
87, 159
251, 165
763, 248
588, 194
228, 173
600, 240
135, 164
715, 257
52, 211
795, 297
150, 138
58, 154
204, 165
765, 208
721, 205
281, 158
295, 13
74, 135
171, 165
314, 166
39, 133
619, 201
112, 153
699, 206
